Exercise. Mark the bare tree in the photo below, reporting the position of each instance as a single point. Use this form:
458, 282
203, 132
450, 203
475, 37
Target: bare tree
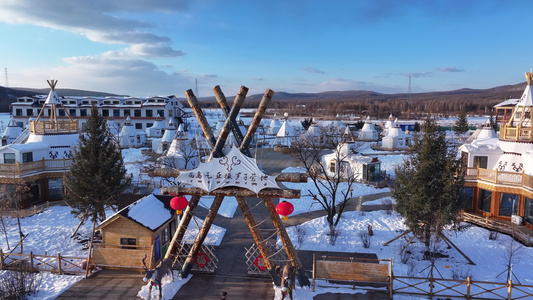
21, 283
187, 151
333, 183
13, 198
511, 255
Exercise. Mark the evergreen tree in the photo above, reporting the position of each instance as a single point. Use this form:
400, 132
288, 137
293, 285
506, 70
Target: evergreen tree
428, 185
461, 124
97, 174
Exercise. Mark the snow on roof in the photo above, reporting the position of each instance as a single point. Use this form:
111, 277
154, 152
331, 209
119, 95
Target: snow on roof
55, 140
508, 102
27, 147
149, 212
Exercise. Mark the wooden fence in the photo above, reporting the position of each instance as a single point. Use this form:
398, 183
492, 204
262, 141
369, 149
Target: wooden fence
518, 232
512, 179
465, 289
47, 263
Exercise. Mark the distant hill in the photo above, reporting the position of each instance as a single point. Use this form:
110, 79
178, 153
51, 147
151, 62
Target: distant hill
476, 98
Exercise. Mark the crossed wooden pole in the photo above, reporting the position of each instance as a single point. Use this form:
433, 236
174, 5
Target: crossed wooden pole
240, 193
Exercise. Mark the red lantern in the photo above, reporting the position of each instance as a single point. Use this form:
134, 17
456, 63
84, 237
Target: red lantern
179, 204
284, 208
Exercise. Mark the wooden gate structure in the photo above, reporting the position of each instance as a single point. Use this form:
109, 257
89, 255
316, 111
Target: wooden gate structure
239, 192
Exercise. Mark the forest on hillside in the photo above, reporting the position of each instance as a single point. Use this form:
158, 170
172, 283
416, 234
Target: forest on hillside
347, 103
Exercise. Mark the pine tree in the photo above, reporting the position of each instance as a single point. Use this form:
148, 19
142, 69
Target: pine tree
428, 185
461, 124
97, 174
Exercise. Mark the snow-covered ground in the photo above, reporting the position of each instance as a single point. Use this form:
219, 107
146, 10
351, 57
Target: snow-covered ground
49, 233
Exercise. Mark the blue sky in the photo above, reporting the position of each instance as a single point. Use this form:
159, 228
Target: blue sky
146, 47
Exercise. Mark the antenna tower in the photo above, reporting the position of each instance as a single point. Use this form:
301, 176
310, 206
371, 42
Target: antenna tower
6, 87
196, 88
409, 88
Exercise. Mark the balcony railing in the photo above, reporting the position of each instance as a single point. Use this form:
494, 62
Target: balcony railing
29, 168
50, 127
500, 177
517, 133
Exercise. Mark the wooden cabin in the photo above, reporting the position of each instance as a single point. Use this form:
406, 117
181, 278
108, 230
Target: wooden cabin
144, 227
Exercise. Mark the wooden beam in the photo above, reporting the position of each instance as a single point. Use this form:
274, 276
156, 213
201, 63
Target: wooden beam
221, 99
232, 191
211, 214
265, 102
284, 237
193, 102
175, 244
258, 238
224, 132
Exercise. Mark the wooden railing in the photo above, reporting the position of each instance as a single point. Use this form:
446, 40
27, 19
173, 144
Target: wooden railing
517, 133
48, 127
48, 263
499, 177
518, 232
466, 288
22, 169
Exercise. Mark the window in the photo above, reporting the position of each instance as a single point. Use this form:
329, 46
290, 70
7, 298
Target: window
508, 204
49, 112
9, 158
467, 194
61, 112
124, 242
332, 166
27, 157
165, 236
29, 112
464, 159
105, 112
137, 113
139, 126
528, 210
149, 113
148, 125
116, 112
83, 112
72, 112
127, 112
484, 200
161, 112
18, 112
170, 112
55, 188
480, 162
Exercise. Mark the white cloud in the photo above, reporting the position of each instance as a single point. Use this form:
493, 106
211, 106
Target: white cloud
100, 21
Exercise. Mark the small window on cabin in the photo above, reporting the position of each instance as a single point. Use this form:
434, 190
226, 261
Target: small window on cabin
9, 158
138, 126
480, 162
18, 112
61, 112
332, 166
83, 112
161, 112
29, 112
149, 113
105, 112
137, 113
116, 112
125, 242
27, 157
72, 112
165, 236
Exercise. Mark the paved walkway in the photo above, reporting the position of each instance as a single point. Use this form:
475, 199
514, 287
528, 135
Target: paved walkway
231, 274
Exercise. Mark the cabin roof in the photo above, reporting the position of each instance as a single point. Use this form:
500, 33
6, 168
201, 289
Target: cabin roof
150, 212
